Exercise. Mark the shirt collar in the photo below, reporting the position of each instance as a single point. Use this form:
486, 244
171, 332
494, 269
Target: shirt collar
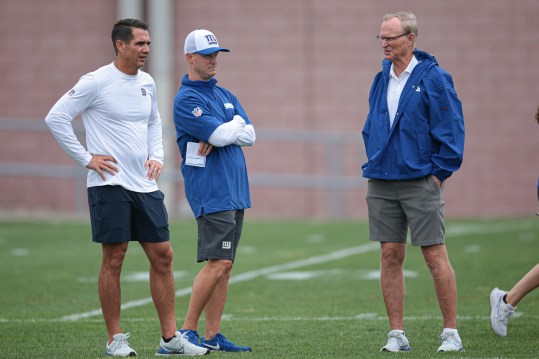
413, 63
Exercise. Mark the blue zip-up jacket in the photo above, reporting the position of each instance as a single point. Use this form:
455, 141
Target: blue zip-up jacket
427, 136
199, 108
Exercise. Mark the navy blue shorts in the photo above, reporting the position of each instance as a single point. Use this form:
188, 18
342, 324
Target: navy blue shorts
119, 215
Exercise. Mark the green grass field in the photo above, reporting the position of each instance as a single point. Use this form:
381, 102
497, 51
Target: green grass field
299, 290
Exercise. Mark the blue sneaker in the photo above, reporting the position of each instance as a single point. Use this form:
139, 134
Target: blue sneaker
191, 336
219, 342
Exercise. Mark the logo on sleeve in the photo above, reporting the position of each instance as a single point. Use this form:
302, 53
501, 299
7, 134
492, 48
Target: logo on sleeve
71, 93
229, 105
227, 244
143, 90
197, 111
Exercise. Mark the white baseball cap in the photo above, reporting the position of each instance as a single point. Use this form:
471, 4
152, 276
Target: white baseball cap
202, 42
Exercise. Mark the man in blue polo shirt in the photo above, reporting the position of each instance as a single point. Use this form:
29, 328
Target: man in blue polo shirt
212, 128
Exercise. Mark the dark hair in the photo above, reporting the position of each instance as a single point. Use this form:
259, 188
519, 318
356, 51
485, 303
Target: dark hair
122, 31
537, 115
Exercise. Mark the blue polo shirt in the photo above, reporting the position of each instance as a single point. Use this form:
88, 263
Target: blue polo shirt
199, 108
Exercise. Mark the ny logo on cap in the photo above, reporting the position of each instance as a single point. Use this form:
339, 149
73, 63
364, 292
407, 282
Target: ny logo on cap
212, 40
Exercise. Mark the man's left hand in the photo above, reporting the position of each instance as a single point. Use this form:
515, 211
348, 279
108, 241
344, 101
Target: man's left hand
438, 182
154, 169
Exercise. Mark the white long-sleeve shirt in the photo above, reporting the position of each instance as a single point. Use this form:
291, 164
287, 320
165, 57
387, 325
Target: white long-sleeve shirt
120, 115
235, 131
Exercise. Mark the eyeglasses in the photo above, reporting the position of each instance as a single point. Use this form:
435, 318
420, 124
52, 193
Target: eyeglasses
390, 39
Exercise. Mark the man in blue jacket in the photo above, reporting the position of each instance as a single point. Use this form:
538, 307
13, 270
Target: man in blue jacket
414, 139
212, 128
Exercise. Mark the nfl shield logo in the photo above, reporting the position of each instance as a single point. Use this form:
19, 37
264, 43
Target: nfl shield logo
197, 112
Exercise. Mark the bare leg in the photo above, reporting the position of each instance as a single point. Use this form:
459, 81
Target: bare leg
392, 282
208, 279
108, 285
528, 283
216, 305
444, 282
160, 256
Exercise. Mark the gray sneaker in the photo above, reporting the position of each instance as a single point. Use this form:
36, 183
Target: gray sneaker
500, 312
450, 343
396, 342
119, 347
180, 345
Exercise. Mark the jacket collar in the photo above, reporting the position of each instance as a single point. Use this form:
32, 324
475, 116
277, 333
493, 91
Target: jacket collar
424, 58
210, 84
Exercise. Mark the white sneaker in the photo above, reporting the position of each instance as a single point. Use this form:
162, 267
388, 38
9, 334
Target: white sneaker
396, 342
180, 344
119, 347
500, 312
450, 343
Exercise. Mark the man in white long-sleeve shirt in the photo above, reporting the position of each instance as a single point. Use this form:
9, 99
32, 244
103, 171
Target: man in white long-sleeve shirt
212, 128
124, 155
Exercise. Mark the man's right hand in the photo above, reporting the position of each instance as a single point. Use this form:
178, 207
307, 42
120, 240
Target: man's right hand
100, 163
205, 148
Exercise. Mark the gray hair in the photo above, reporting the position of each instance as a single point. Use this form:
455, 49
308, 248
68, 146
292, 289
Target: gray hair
408, 22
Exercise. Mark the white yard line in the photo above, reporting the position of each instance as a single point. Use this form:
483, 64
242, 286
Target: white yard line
464, 229
359, 317
247, 276
452, 232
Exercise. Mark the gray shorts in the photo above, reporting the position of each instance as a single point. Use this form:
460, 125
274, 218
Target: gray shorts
396, 205
219, 235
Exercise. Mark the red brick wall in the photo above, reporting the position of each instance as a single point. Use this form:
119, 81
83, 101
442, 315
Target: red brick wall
48, 45
303, 65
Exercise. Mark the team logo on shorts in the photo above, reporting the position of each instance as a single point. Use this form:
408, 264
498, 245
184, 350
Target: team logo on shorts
227, 244
197, 111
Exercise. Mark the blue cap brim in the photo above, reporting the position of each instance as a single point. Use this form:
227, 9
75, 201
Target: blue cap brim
211, 50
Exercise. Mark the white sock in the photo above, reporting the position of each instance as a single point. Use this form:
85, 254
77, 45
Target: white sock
450, 331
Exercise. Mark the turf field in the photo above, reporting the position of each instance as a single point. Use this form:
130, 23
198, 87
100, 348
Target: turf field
299, 290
